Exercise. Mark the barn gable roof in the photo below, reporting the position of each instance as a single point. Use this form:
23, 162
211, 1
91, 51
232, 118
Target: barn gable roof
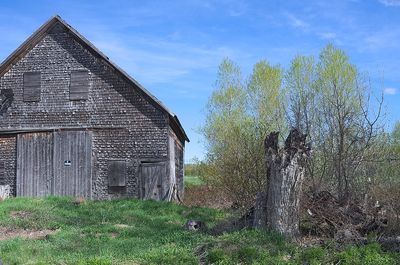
38, 35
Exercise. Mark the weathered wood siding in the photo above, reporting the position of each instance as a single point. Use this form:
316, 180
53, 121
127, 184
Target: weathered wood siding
8, 153
34, 164
154, 180
178, 156
72, 163
56, 163
126, 125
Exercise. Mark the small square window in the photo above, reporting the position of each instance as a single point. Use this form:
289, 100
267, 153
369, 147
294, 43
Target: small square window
79, 85
32, 87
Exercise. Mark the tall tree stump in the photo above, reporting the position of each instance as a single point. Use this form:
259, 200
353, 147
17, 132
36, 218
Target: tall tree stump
278, 207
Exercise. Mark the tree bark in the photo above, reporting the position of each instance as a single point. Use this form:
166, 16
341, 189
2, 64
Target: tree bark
278, 208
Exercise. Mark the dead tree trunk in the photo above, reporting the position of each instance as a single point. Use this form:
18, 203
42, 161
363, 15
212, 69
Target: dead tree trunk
278, 208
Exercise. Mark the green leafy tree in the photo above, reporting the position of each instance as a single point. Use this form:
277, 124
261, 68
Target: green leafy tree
239, 115
330, 101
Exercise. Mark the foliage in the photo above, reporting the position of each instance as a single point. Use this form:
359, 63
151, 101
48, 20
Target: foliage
239, 114
193, 181
330, 100
196, 168
384, 175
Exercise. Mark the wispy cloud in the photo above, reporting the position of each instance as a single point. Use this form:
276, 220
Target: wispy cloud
160, 60
296, 22
327, 35
390, 2
390, 91
387, 38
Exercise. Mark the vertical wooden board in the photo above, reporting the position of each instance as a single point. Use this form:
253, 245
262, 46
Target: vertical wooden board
152, 176
172, 177
73, 163
34, 164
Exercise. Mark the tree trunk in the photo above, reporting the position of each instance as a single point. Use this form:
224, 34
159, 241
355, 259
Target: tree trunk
278, 208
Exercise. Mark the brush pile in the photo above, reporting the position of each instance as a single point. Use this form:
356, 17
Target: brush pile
353, 222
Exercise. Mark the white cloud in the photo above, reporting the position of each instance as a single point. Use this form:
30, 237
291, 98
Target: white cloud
296, 22
327, 35
159, 60
390, 91
390, 2
383, 39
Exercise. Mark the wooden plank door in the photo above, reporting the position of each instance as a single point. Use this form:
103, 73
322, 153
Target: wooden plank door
35, 164
73, 163
153, 178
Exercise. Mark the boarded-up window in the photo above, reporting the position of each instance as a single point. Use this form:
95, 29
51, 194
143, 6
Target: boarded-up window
117, 173
2, 173
79, 85
31, 87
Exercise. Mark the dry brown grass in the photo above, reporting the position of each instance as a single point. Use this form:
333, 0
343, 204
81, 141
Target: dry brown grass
206, 196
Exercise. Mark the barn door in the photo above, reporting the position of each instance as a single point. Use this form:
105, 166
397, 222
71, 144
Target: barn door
153, 181
35, 164
72, 163
56, 163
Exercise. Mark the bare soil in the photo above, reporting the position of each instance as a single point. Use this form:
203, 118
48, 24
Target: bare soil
8, 233
20, 214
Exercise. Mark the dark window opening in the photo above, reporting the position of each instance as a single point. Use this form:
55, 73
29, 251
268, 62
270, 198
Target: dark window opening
117, 173
32, 87
79, 85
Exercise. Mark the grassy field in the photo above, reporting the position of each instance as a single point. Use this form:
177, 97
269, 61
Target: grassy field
59, 231
193, 181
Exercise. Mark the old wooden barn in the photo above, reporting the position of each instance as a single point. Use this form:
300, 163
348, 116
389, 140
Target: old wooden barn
72, 123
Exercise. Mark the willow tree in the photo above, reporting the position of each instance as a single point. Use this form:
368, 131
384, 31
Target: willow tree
331, 100
240, 112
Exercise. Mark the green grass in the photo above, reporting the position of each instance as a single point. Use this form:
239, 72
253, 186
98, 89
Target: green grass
193, 181
153, 234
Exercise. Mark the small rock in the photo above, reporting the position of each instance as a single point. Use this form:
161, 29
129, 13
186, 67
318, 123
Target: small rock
195, 225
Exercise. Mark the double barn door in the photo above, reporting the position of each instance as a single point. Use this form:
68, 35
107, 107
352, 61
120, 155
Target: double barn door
54, 163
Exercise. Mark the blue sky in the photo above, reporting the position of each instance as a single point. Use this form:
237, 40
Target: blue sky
174, 48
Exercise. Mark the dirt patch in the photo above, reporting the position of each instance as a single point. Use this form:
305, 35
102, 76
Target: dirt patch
121, 226
110, 235
206, 196
8, 233
20, 214
79, 200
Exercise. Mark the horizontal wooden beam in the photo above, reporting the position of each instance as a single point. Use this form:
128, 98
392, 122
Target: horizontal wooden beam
50, 129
